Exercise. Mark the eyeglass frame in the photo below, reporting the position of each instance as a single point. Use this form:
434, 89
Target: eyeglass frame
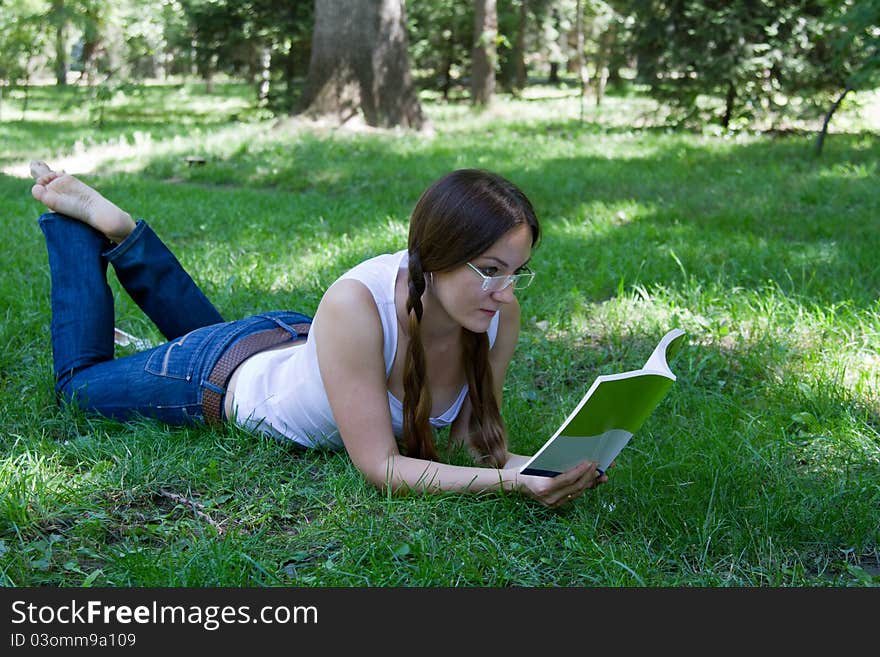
509, 279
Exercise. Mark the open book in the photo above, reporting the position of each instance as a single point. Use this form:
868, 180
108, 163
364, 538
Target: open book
614, 408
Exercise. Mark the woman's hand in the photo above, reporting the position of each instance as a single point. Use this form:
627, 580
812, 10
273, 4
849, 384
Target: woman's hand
561, 489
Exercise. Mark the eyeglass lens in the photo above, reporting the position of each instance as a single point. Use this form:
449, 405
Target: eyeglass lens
517, 281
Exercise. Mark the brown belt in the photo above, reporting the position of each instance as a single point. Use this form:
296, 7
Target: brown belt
235, 355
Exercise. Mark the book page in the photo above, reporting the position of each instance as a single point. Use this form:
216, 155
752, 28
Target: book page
665, 352
567, 451
612, 410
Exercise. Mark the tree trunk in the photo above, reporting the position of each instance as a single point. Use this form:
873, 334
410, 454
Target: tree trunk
360, 63
599, 82
89, 61
521, 73
581, 67
446, 66
728, 106
484, 55
820, 140
60, 18
27, 95
447, 76
289, 74
603, 56
265, 75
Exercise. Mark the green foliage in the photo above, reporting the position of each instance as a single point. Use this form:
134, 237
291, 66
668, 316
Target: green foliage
842, 52
747, 63
440, 35
695, 49
858, 48
236, 37
22, 37
835, 54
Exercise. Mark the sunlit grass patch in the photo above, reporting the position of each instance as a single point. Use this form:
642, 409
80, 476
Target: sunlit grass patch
34, 488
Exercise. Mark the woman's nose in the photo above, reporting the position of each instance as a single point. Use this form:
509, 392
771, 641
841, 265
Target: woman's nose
504, 296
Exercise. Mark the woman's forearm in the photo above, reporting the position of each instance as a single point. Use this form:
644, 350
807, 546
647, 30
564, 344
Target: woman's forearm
515, 461
404, 474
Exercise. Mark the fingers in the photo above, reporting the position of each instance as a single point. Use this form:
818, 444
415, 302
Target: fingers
585, 476
565, 487
588, 476
572, 476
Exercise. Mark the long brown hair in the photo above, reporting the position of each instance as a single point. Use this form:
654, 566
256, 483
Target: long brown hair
456, 219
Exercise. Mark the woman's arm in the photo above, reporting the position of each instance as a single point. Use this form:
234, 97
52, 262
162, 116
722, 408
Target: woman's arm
516, 461
349, 338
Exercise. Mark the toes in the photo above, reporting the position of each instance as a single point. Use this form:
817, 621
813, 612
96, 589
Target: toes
45, 196
39, 169
47, 178
37, 191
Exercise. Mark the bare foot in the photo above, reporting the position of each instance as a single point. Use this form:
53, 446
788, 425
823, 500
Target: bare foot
63, 193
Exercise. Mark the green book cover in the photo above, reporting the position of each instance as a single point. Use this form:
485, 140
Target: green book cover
612, 410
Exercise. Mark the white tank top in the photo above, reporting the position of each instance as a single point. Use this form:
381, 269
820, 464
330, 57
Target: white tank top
280, 392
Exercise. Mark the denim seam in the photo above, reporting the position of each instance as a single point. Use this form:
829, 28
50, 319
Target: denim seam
192, 364
120, 249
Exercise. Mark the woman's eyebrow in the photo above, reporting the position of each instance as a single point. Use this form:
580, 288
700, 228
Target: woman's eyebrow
504, 264
498, 260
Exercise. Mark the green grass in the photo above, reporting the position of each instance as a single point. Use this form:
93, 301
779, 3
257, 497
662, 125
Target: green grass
762, 466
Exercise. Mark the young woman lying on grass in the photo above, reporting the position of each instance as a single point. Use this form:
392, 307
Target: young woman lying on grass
435, 325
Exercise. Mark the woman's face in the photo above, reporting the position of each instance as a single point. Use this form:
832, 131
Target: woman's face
460, 291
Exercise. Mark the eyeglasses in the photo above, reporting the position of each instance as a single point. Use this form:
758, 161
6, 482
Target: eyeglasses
497, 283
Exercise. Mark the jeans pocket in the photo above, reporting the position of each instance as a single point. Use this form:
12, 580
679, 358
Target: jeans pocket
179, 358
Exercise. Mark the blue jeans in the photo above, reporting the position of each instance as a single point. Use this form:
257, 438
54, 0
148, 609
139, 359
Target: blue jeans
165, 382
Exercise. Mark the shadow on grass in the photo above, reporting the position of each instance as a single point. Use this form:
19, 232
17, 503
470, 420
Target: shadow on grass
743, 214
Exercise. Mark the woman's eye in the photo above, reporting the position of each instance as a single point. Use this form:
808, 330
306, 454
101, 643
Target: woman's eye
489, 271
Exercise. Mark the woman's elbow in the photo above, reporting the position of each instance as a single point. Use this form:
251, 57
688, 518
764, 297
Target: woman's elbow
380, 475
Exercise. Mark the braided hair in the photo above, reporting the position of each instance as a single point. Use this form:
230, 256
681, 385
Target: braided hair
456, 219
